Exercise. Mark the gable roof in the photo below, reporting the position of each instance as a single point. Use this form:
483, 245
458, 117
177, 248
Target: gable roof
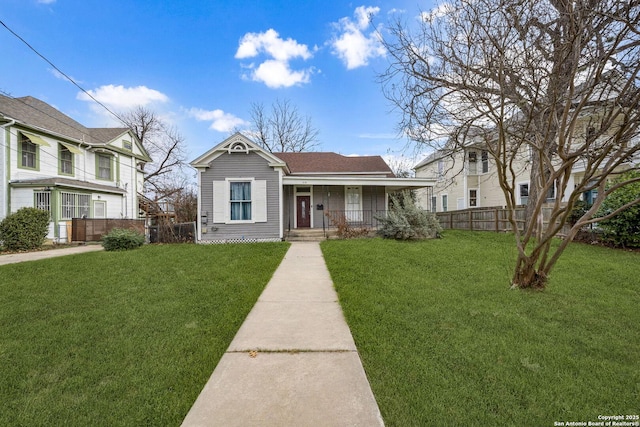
332, 163
37, 114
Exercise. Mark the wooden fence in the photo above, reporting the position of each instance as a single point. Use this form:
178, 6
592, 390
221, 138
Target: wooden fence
92, 229
487, 219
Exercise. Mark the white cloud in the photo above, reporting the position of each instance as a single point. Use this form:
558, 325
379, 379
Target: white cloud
276, 74
352, 45
275, 71
122, 98
437, 12
220, 121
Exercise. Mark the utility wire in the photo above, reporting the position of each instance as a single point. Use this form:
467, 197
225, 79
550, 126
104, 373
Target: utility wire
61, 72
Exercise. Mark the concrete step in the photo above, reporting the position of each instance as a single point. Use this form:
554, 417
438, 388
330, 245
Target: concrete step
308, 235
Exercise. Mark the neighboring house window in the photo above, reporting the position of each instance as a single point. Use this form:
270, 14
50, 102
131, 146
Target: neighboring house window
99, 209
66, 160
42, 200
524, 193
551, 194
28, 154
440, 170
485, 161
104, 166
445, 202
473, 163
127, 145
434, 203
473, 198
240, 201
74, 205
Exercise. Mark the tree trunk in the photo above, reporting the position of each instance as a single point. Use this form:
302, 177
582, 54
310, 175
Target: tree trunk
527, 275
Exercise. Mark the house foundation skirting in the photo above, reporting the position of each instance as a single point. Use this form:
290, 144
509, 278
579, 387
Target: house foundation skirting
225, 241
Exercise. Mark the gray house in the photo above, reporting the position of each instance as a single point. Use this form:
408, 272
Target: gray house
246, 193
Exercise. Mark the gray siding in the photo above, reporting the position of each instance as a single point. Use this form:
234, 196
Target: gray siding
332, 199
240, 165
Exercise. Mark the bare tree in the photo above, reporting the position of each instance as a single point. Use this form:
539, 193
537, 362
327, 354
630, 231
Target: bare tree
165, 146
283, 129
551, 83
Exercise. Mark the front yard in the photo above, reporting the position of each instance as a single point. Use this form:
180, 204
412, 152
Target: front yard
122, 339
445, 342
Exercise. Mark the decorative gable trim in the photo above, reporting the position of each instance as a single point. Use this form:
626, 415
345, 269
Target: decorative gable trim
237, 143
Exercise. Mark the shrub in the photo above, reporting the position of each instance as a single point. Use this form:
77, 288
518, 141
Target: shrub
407, 221
120, 239
25, 229
344, 229
622, 229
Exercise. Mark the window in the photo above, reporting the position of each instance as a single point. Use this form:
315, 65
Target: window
473, 163
353, 204
485, 161
28, 153
99, 209
445, 202
473, 198
74, 205
65, 157
551, 194
434, 203
524, 193
104, 167
42, 200
440, 170
240, 201
127, 145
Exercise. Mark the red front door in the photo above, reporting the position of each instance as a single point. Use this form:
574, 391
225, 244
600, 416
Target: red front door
303, 211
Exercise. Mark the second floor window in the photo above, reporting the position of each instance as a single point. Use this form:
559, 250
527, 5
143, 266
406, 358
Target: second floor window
28, 154
66, 161
104, 165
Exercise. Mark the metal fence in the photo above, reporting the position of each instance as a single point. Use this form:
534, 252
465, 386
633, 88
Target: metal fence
92, 229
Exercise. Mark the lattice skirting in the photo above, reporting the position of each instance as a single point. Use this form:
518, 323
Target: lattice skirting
224, 241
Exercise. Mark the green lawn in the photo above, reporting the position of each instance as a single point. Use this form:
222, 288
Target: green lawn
444, 341
122, 339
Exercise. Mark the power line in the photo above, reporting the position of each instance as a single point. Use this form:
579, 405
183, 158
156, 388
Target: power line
61, 72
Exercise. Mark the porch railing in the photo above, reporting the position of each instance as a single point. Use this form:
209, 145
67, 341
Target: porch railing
353, 218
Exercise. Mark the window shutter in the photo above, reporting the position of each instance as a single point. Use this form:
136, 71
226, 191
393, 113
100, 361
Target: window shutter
220, 201
260, 201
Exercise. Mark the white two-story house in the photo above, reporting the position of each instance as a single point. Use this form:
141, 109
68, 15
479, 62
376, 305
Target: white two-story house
51, 162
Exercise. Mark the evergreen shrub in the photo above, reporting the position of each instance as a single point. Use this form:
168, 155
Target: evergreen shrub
405, 220
25, 229
120, 239
623, 229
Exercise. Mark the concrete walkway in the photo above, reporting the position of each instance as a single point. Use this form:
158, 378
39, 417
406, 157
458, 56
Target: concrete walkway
293, 362
50, 253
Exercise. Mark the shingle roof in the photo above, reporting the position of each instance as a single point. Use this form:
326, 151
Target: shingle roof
33, 112
333, 163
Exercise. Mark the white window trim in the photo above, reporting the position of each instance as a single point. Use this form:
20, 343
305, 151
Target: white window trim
222, 202
519, 196
442, 204
477, 190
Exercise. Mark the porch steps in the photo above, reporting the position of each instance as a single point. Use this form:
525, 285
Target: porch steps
308, 235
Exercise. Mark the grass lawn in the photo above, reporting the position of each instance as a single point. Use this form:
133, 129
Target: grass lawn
122, 338
445, 342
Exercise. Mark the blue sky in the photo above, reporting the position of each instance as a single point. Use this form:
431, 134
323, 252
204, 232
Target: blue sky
200, 64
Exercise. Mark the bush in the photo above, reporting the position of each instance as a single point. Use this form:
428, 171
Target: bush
622, 229
25, 229
120, 239
407, 221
